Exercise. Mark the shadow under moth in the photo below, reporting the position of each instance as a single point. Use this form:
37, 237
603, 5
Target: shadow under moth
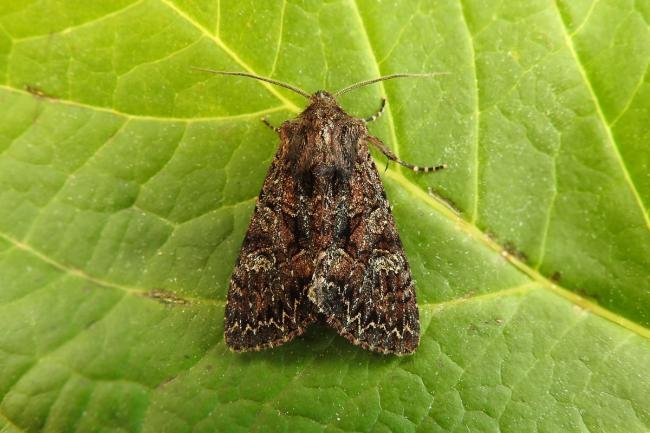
322, 243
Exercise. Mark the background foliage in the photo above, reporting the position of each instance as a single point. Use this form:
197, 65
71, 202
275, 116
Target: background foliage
127, 181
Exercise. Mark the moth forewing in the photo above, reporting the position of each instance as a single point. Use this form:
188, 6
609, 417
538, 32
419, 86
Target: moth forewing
322, 242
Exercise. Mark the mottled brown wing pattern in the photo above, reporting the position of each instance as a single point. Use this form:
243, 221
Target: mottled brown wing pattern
267, 303
362, 282
322, 243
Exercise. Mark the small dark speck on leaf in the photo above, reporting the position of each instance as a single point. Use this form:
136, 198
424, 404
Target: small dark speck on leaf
511, 249
165, 382
165, 297
444, 200
469, 294
556, 277
38, 92
587, 295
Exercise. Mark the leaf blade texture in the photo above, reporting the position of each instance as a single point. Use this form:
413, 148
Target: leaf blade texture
127, 181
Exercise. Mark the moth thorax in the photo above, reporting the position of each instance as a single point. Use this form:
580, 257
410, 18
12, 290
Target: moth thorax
321, 162
334, 152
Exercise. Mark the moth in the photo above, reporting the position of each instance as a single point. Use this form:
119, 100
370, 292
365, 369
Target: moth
322, 243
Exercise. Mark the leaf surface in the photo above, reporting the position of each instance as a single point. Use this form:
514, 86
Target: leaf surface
127, 181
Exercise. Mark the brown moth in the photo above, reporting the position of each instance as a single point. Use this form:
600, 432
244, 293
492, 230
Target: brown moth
322, 243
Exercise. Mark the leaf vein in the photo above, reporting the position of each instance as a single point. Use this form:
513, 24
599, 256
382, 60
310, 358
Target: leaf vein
475, 233
477, 115
71, 103
83, 24
373, 57
520, 289
601, 116
132, 290
587, 16
280, 32
230, 52
11, 423
167, 56
72, 174
625, 109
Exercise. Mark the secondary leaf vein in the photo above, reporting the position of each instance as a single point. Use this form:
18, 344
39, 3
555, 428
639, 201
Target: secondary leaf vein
230, 52
132, 290
72, 103
601, 116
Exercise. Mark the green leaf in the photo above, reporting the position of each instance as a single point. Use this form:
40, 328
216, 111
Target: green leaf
127, 181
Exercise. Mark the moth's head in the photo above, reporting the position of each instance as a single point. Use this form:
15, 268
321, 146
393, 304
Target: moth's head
322, 97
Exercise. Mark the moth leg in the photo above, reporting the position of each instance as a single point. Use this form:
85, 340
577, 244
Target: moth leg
265, 120
390, 155
378, 113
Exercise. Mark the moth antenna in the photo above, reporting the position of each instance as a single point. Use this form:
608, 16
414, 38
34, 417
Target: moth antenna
384, 78
257, 77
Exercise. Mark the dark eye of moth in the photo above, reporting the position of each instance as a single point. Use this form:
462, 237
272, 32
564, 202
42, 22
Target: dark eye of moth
322, 242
